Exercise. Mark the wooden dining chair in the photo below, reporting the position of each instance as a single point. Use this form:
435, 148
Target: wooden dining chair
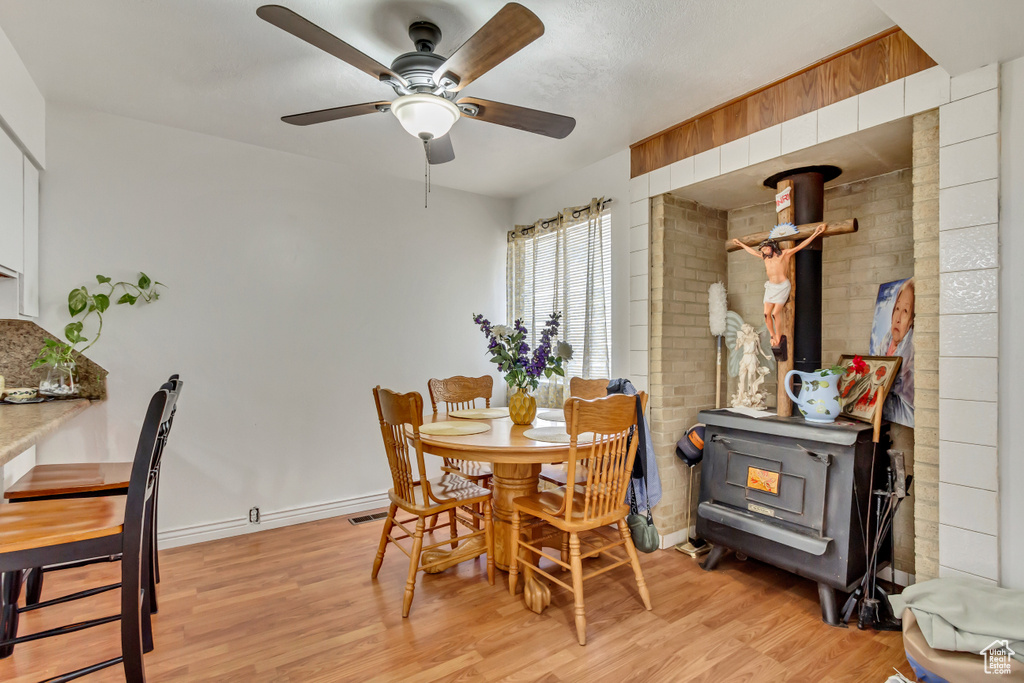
88, 480
462, 393
579, 388
598, 501
588, 388
401, 416
47, 532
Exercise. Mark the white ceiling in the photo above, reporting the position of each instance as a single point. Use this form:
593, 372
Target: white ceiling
864, 154
623, 69
962, 36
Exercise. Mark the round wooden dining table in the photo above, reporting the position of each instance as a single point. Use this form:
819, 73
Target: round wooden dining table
515, 458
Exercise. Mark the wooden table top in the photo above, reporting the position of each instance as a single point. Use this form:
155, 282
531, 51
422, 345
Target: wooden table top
504, 443
21, 426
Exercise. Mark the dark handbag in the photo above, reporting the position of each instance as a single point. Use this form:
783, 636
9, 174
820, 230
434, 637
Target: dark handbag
645, 534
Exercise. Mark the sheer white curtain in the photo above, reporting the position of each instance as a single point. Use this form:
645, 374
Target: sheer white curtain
563, 264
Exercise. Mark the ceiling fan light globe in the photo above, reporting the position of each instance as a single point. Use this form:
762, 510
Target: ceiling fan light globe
425, 116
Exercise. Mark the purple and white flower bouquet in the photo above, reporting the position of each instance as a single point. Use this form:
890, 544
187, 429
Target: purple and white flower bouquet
522, 366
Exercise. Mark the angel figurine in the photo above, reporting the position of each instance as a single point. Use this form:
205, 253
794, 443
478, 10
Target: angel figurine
746, 350
778, 286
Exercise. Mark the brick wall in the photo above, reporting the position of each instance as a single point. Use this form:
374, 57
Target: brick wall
853, 266
687, 256
926, 344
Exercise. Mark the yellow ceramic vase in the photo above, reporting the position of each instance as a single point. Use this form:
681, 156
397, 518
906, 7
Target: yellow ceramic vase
522, 407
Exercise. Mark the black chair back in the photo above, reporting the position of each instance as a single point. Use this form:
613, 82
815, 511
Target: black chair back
147, 454
174, 386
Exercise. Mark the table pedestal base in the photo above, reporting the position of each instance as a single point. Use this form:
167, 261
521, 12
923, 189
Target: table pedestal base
466, 549
509, 481
536, 593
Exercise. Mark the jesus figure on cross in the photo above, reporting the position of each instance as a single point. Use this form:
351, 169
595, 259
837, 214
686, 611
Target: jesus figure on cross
778, 286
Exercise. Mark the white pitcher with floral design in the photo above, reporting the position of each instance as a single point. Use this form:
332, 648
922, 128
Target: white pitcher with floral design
818, 400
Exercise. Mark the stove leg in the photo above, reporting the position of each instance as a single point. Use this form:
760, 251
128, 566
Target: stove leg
827, 598
716, 554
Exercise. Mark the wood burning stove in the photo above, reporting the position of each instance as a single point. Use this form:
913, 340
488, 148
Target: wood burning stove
790, 493
785, 491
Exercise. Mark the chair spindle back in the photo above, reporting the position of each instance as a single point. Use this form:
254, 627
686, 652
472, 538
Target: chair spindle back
460, 393
395, 411
607, 461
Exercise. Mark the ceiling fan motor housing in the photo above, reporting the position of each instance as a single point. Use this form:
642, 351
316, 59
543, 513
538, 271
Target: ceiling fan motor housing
425, 35
418, 69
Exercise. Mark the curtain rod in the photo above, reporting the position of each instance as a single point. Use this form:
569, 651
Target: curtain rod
551, 221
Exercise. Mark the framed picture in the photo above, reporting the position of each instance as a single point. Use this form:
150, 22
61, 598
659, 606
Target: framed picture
892, 334
862, 395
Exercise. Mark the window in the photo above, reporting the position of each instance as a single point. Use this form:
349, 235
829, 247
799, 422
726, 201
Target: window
563, 264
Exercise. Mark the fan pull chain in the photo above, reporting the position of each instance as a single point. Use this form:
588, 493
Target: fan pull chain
426, 171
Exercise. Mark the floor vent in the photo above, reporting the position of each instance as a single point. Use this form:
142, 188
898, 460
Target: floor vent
368, 518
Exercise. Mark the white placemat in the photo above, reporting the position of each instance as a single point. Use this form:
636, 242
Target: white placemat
555, 435
479, 413
454, 428
551, 415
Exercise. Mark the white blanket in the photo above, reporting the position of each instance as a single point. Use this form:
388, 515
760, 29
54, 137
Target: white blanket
964, 615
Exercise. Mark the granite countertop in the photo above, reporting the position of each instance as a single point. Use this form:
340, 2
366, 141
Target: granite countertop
21, 426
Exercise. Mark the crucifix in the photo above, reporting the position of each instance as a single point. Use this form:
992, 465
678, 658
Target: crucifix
797, 326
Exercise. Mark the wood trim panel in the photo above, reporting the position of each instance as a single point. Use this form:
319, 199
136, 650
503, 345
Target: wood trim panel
882, 58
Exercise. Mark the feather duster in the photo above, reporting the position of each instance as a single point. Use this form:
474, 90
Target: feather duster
717, 308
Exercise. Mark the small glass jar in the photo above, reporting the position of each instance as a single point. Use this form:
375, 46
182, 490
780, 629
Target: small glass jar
61, 380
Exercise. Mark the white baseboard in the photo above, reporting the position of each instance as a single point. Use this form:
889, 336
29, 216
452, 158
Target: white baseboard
674, 538
198, 533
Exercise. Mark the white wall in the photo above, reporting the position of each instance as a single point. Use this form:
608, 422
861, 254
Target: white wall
1011, 325
606, 178
295, 286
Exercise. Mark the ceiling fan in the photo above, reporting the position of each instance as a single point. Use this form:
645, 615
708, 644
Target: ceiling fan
427, 83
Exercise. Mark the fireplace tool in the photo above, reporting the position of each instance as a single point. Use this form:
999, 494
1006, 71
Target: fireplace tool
875, 612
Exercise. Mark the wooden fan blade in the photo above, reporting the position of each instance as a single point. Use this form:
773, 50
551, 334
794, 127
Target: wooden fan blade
530, 120
304, 29
333, 114
509, 31
440, 151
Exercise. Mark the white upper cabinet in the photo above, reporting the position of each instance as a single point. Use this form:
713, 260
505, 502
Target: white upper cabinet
12, 213
28, 285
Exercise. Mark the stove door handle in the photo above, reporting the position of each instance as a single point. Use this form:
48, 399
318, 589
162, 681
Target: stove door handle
823, 458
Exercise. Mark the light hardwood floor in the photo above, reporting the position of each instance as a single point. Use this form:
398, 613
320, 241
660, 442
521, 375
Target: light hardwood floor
297, 604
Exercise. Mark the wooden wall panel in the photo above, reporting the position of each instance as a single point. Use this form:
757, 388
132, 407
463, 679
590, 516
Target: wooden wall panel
801, 94
683, 142
711, 130
889, 56
905, 56
765, 108
735, 121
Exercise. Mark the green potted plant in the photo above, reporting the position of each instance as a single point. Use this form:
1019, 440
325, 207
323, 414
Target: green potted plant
59, 357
